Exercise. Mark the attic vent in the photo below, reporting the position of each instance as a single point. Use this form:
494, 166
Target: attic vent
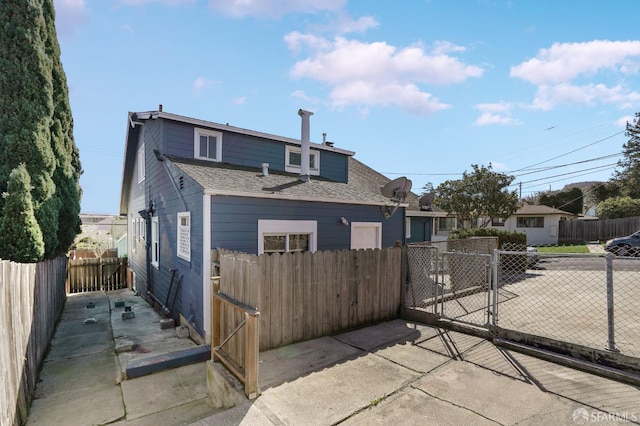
181, 183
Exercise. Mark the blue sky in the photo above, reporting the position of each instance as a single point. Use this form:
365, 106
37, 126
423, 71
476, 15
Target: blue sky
418, 88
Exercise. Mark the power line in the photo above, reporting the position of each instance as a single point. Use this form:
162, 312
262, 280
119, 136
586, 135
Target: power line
604, 167
570, 152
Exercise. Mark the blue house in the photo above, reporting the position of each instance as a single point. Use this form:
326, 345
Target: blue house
190, 186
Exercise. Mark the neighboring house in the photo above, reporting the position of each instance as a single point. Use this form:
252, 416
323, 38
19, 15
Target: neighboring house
427, 223
103, 232
540, 223
190, 186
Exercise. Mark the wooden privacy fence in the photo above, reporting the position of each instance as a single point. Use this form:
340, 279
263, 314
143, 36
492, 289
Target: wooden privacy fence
31, 300
570, 231
97, 275
302, 296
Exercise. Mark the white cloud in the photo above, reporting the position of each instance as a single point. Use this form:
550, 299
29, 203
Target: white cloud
384, 74
301, 95
555, 70
273, 8
200, 84
496, 113
497, 166
296, 41
622, 121
70, 14
345, 24
240, 101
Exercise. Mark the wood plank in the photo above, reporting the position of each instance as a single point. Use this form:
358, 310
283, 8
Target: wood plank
251, 364
280, 262
265, 299
297, 304
307, 282
287, 284
330, 300
344, 270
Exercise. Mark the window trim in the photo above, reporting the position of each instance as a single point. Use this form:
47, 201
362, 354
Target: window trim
498, 222
141, 164
376, 225
180, 229
294, 168
197, 132
444, 219
268, 226
155, 242
537, 218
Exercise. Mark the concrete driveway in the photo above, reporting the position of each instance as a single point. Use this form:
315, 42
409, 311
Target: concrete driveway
391, 373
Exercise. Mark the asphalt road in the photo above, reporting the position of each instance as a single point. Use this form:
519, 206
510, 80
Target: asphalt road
554, 262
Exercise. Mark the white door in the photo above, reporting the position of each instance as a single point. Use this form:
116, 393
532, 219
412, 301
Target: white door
365, 235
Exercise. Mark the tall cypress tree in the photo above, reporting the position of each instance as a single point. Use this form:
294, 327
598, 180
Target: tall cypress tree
21, 236
68, 168
36, 127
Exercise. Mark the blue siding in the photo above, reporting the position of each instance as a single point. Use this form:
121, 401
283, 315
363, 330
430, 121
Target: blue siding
420, 229
249, 151
334, 166
138, 200
159, 189
235, 221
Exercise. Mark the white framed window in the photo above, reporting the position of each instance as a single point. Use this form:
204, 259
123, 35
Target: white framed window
141, 229
207, 145
184, 235
141, 165
134, 229
155, 246
366, 235
293, 160
281, 236
133, 234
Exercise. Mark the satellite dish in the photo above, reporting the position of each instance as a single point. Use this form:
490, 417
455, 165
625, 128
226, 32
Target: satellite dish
397, 189
426, 200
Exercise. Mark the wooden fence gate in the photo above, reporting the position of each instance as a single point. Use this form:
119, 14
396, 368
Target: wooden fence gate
86, 275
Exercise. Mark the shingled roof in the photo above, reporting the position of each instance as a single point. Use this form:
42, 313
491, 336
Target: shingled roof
363, 186
530, 209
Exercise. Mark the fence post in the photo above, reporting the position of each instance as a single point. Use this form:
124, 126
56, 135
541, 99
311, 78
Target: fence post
252, 346
495, 264
611, 340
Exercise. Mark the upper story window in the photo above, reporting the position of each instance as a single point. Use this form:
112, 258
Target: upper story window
530, 222
207, 145
293, 160
141, 168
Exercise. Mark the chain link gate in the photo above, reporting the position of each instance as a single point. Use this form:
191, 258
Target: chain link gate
455, 285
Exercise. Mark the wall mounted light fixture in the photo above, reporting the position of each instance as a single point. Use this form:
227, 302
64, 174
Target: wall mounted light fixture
344, 221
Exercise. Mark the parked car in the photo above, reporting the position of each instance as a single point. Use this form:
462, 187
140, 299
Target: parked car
625, 246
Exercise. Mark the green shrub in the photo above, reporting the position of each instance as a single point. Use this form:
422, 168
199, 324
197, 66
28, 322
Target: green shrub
504, 237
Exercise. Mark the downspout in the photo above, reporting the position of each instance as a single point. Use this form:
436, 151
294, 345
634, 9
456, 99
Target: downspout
146, 214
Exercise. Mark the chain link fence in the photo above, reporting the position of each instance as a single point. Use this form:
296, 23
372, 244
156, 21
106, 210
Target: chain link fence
591, 300
587, 299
